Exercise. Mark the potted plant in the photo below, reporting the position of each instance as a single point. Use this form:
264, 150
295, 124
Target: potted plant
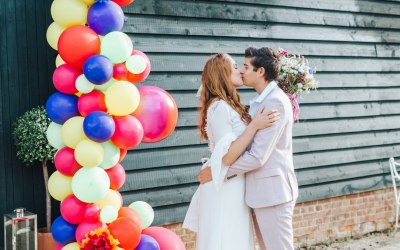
29, 134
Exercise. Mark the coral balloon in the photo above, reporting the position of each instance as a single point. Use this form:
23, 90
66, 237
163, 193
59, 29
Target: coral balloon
128, 132
122, 154
120, 72
122, 98
131, 214
157, 112
77, 44
166, 239
73, 210
92, 212
65, 162
98, 69
117, 176
123, 3
105, 17
86, 227
93, 101
62, 231
64, 78
135, 78
60, 107
69, 12
126, 231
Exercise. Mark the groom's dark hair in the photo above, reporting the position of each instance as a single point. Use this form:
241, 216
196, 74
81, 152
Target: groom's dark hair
267, 58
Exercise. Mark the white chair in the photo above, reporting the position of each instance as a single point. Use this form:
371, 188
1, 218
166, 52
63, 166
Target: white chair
395, 177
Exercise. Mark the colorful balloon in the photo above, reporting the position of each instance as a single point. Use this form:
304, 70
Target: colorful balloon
89, 153
59, 186
53, 34
72, 131
90, 102
62, 231
90, 184
98, 69
136, 64
122, 98
83, 85
122, 154
59, 61
71, 246
77, 44
53, 134
67, 13
65, 162
108, 214
60, 107
123, 3
135, 78
92, 212
117, 176
111, 155
166, 239
128, 132
64, 78
86, 227
105, 17
113, 198
147, 243
117, 46
157, 112
131, 214
120, 72
145, 212
99, 126
126, 231
73, 210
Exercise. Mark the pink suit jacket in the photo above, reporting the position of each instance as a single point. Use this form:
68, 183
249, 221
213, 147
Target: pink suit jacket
268, 163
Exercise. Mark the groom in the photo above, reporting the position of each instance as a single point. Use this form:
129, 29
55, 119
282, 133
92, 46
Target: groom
271, 185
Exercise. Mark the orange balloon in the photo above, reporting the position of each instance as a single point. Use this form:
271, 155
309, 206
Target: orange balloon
126, 231
131, 214
78, 43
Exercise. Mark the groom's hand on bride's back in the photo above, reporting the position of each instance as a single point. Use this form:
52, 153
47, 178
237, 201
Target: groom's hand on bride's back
205, 175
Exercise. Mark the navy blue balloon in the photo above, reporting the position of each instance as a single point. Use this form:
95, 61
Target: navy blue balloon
60, 107
105, 17
63, 232
147, 243
98, 126
98, 69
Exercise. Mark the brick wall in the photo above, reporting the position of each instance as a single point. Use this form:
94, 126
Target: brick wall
329, 219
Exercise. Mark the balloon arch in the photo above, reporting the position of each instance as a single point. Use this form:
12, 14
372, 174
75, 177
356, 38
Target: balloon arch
97, 115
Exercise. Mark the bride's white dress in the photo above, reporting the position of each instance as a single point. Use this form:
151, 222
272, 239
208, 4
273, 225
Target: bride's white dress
218, 211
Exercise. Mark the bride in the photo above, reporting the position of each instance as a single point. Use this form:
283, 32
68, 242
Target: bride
218, 212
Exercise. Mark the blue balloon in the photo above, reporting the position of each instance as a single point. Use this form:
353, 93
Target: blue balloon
104, 17
147, 243
99, 126
63, 232
98, 69
60, 107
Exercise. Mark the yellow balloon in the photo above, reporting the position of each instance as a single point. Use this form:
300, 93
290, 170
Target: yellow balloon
67, 13
59, 60
89, 153
59, 186
88, 2
122, 98
53, 34
72, 131
71, 246
113, 198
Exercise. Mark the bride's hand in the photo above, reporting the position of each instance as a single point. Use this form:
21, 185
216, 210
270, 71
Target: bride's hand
265, 119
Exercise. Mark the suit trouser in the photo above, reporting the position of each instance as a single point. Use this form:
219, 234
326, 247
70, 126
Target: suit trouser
273, 226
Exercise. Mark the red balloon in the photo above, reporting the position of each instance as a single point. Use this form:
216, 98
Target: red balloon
123, 3
64, 78
120, 72
78, 43
135, 78
131, 214
86, 227
117, 176
93, 101
65, 162
126, 231
122, 154
128, 132
73, 210
167, 239
157, 112
92, 212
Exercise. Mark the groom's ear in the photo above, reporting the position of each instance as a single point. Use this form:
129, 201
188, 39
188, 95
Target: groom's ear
261, 71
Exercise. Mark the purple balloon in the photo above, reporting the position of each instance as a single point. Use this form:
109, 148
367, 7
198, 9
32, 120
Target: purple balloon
105, 17
98, 69
147, 243
60, 107
99, 126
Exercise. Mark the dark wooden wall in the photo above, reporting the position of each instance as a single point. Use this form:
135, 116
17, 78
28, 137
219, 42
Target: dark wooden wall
348, 129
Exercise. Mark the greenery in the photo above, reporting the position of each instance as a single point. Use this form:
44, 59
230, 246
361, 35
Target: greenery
29, 134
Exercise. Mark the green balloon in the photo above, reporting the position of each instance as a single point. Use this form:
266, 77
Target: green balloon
53, 135
83, 85
90, 184
111, 155
104, 87
145, 212
117, 46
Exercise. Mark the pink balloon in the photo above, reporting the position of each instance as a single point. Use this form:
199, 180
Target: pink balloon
64, 78
157, 112
128, 132
135, 78
117, 176
120, 72
93, 101
167, 239
58, 246
86, 227
73, 210
65, 162
92, 212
